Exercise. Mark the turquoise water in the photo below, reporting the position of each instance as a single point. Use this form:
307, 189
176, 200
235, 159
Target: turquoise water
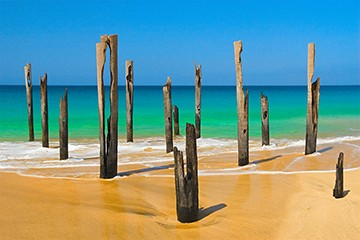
339, 111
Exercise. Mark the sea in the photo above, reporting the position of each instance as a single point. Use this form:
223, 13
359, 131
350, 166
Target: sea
339, 120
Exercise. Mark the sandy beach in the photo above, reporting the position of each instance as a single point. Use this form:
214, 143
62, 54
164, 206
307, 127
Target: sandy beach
269, 203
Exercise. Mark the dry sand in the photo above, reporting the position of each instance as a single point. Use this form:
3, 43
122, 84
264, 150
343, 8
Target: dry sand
273, 205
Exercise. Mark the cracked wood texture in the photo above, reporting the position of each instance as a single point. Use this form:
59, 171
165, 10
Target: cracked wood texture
338, 191
186, 184
198, 79
29, 100
176, 121
44, 111
63, 127
129, 100
168, 115
264, 119
242, 109
313, 98
108, 142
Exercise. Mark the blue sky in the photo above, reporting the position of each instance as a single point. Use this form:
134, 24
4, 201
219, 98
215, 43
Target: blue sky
165, 37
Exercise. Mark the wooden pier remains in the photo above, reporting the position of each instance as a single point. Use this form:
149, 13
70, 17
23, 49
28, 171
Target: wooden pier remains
264, 119
168, 115
313, 97
63, 127
338, 191
108, 142
29, 100
186, 184
242, 109
129, 100
44, 111
176, 121
198, 80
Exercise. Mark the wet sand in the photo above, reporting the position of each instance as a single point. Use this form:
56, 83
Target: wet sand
238, 203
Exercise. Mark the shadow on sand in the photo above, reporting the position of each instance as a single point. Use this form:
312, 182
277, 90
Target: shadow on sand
204, 212
265, 160
128, 173
325, 149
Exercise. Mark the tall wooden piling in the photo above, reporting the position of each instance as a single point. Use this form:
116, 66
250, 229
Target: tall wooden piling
338, 191
63, 127
176, 121
168, 115
108, 142
29, 100
265, 119
129, 100
198, 79
186, 185
44, 111
242, 109
313, 97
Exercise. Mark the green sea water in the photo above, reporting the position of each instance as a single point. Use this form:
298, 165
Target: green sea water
339, 113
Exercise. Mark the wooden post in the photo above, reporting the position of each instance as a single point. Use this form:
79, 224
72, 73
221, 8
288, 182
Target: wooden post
108, 144
186, 185
44, 111
198, 79
338, 191
312, 103
63, 127
29, 100
242, 109
129, 100
168, 115
265, 119
176, 121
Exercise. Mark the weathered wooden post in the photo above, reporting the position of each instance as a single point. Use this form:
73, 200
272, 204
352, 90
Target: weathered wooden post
63, 127
168, 115
129, 100
176, 121
29, 100
186, 185
198, 79
44, 111
108, 143
242, 109
312, 103
338, 191
265, 119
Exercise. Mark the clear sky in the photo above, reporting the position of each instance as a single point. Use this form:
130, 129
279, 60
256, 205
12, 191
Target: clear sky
165, 37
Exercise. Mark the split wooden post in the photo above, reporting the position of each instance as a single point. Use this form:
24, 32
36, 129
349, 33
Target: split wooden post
129, 100
186, 185
338, 191
242, 109
44, 111
176, 121
313, 97
29, 100
198, 79
108, 143
265, 119
63, 127
168, 115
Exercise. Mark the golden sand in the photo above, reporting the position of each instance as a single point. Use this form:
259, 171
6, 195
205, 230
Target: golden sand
270, 204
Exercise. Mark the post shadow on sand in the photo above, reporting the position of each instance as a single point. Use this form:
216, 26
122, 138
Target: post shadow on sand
265, 160
325, 149
204, 212
156, 168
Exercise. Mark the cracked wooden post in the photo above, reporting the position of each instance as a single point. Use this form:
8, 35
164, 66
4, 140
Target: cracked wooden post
176, 121
312, 103
242, 109
168, 115
338, 191
198, 79
29, 100
129, 100
44, 111
108, 142
265, 119
63, 127
186, 185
